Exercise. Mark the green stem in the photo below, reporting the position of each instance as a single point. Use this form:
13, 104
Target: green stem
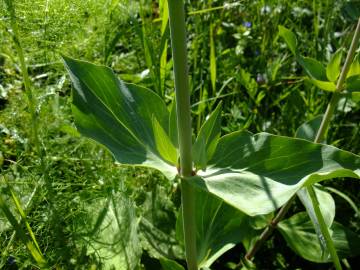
178, 44
319, 137
339, 86
323, 227
25, 74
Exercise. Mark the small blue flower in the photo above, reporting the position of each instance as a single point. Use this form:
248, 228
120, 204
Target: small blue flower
11, 260
247, 24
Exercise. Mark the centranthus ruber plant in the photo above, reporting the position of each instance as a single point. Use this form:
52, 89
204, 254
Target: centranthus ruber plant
228, 183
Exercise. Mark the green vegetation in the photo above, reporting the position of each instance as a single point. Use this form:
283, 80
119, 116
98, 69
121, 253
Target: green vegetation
151, 191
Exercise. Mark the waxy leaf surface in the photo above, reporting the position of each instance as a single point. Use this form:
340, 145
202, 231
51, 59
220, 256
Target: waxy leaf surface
301, 237
219, 227
259, 173
120, 116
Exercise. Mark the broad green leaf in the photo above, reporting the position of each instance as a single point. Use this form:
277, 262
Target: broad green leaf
355, 67
333, 67
170, 265
112, 231
327, 86
309, 129
353, 83
118, 115
259, 173
314, 69
301, 237
206, 141
157, 242
289, 38
163, 143
220, 227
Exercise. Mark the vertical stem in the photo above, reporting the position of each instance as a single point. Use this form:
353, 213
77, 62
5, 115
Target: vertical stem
339, 86
178, 44
25, 74
319, 137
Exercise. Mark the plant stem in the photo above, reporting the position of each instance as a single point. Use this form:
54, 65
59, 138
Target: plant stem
178, 44
323, 227
25, 74
319, 137
339, 86
321, 134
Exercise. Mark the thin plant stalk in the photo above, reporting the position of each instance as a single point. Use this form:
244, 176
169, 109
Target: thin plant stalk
319, 137
25, 75
178, 44
321, 134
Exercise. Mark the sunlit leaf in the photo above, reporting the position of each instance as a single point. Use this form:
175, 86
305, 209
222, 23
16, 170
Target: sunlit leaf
207, 138
289, 38
301, 237
163, 143
327, 86
112, 230
259, 173
333, 68
170, 265
118, 115
355, 67
314, 69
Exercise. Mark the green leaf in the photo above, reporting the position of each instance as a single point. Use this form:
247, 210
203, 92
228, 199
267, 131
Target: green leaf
309, 129
170, 265
327, 207
289, 38
353, 83
118, 115
327, 86
199, 153
333, 68
313, 68
259, 173
163, 143
355, 67
220, 227
207, 139
112, 232
299, 233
